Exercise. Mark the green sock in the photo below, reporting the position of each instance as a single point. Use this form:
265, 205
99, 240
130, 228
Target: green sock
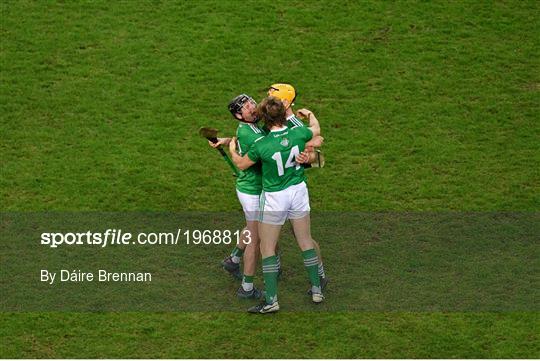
270, 273
311, 261
237, 254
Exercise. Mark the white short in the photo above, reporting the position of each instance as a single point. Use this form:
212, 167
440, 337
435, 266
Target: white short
290, 203
250, 205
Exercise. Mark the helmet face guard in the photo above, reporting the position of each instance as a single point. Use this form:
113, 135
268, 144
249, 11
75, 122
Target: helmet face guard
236, 105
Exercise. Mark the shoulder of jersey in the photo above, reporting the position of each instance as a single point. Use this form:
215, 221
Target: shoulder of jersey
296, 128
250, 127
260, 138
295, 121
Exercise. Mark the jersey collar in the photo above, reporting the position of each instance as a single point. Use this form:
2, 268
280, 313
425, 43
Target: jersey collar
279, 130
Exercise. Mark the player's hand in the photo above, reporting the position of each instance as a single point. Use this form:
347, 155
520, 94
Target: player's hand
221, 141
232, 145
304, 113
302, 158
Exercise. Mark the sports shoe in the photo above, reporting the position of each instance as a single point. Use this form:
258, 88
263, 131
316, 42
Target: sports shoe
264, 308
323, 281
317, 297
253, 294
232, 268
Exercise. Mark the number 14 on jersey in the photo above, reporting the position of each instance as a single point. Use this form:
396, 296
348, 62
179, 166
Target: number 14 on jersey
291, 161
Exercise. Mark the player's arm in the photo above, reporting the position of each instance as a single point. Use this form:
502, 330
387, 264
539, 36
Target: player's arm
315, 142
241, 163
312, 120
309, 155
312, 153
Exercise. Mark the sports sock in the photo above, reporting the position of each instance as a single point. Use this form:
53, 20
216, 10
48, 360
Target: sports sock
236, 254
311, 261
321, 271
278, 260
270, 272
247, 283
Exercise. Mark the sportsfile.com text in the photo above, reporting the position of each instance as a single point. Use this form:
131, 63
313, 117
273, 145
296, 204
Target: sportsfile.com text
121, 238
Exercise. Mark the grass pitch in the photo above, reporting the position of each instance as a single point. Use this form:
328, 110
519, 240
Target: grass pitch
424, 106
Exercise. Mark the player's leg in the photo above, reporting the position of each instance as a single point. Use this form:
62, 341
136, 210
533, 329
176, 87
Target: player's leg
301, 203
251, 255
250, 204
302, 231
322, 274
301, 223
270, 222
231, 263
269, 234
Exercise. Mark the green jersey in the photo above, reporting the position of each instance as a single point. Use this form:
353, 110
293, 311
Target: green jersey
277, 152
249, 181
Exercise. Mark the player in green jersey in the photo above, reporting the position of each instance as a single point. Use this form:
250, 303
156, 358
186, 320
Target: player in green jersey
285, 195
287, 94
248, 190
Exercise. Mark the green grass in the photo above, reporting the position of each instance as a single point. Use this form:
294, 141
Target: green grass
229, 335
425, 107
